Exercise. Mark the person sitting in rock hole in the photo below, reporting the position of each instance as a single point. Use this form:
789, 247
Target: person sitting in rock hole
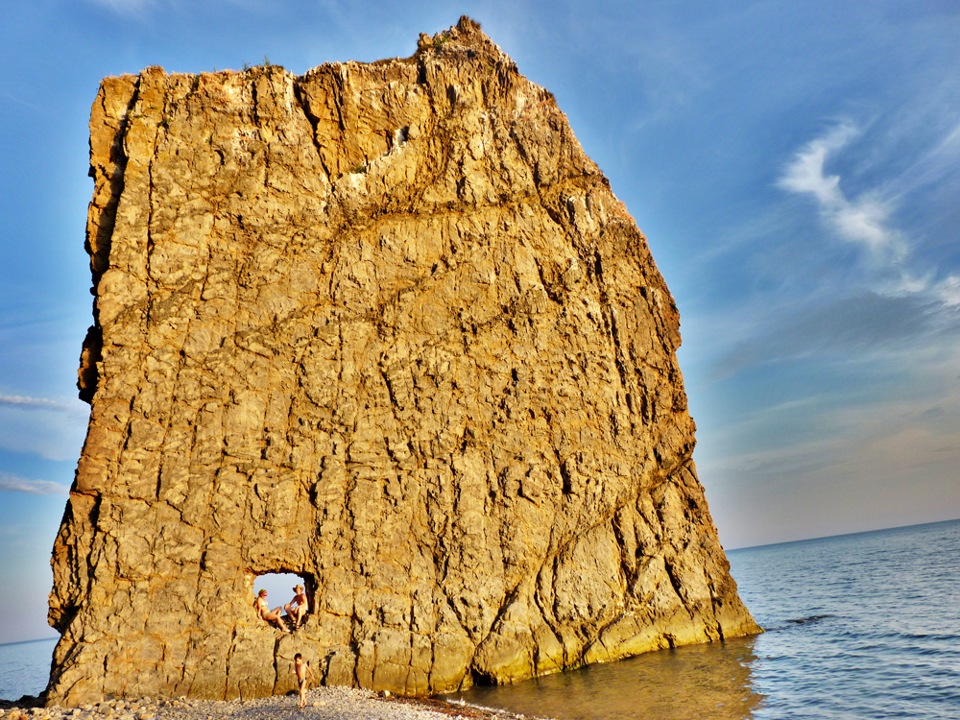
298, 607
266, 614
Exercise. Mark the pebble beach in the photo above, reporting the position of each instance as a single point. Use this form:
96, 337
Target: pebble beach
326, 703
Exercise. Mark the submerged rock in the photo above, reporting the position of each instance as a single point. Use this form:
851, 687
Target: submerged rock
384, 326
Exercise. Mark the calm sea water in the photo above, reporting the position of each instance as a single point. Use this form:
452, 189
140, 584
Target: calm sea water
858, 626
24, 668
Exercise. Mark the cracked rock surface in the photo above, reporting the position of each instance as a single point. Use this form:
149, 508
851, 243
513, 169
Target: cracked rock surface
384, 326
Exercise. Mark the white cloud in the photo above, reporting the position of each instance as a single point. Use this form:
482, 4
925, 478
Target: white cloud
947, 291
947, 150
863, 220
126, 7
52, 429
14, 483
31, 403
806, 173
888, 460
143, 8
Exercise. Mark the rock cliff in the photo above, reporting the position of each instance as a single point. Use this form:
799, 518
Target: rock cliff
384, 326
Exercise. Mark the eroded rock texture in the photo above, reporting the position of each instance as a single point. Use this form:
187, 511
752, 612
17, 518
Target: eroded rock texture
386, 327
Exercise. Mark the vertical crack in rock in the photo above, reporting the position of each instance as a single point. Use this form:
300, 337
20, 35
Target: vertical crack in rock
386, 327
314, 121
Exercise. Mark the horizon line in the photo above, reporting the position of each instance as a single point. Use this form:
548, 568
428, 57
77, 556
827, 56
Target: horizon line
843, 534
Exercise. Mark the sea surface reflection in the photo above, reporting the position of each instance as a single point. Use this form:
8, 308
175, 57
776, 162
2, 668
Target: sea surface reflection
703, 681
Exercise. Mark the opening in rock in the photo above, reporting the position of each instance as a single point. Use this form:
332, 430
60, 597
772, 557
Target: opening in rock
282, 592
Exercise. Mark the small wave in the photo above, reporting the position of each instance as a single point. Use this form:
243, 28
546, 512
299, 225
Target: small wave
933, 637
809, 619
793, 622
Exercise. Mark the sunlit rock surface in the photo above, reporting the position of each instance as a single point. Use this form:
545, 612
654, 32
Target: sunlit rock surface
384, 326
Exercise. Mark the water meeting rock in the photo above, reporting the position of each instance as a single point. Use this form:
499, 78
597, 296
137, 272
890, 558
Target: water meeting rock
384, 326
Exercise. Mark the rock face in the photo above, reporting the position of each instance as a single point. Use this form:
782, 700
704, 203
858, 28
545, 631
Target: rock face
386, 327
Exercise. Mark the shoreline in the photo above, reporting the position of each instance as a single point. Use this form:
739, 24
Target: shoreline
328, 703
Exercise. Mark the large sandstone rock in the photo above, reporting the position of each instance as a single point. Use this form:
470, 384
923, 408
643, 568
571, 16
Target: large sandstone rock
386, 327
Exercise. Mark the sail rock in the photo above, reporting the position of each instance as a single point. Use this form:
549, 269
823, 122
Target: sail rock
384, 326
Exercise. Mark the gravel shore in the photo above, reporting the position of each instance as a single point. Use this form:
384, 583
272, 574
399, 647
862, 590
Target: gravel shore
325, 703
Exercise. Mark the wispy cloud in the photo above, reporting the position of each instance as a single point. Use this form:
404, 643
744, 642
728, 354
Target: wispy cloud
140, 8
948, 291
32, 403
889, 452
866, 219
8, 96
52, 429
125, 6
863, 220
14, 483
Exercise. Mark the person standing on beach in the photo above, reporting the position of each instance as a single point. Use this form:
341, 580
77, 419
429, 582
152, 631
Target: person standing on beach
304, 673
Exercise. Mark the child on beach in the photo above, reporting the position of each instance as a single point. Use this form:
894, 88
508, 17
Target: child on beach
304, 672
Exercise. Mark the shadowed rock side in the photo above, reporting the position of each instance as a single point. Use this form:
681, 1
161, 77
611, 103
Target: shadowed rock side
386, 327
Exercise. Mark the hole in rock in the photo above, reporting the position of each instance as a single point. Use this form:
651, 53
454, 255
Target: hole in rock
281, 591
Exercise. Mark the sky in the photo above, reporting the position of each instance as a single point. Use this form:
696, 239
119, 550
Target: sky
795, 167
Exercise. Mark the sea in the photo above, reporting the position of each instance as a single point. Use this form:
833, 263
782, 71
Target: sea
24, 668
857, 626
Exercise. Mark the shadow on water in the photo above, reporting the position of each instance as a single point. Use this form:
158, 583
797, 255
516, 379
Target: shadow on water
703, 681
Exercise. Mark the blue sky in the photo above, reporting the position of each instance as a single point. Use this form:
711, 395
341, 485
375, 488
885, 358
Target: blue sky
794, 165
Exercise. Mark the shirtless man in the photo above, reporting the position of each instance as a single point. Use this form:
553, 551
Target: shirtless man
302, 669
298, 607
266, 614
